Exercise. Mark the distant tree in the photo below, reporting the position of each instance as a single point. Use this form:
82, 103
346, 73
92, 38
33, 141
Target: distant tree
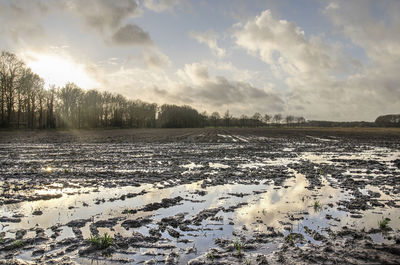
11, 71
391, 120
227, 118
204, 118
106, 108
172, 116
256, 119
300, 120
278, 118
70, 99
25, 102
50, 102
244, 120
91, 108
215, 117
289, 120
267, 118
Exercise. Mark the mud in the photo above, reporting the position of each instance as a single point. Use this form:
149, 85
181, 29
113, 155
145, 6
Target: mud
201, 196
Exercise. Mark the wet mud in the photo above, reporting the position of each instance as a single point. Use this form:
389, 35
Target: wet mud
200, 196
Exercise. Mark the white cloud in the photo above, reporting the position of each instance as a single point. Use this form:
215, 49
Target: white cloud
19, 24
323, 81
210, 39
303, 75
285, 46
375, 89
194, 73
378, 36
160, 5
156, 59
194, 85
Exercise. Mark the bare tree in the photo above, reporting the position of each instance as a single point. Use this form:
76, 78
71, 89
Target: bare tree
11, 70
267, 118
277, 118
289, 119
24, 101
244, 120
50, 102
227, 118
215, 117
256, 119
300, 120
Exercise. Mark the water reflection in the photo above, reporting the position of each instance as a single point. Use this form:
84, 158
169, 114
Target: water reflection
256, 206
295, 199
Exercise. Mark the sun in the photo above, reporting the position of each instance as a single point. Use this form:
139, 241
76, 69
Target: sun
58, 70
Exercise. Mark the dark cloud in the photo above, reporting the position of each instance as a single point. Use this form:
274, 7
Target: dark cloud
131, 35
221, 91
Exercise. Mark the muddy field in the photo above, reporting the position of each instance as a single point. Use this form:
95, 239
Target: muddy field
200, 196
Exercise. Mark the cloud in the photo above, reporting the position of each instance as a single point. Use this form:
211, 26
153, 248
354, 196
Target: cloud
18, 21
131, 34
378, 35
210, 39
195, 73
193, 85
323, 81
25, 20
375, 89
285, 47
160, 5
156, 59
103, 14
218, 92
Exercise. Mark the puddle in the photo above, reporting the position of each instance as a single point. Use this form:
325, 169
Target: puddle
264, 189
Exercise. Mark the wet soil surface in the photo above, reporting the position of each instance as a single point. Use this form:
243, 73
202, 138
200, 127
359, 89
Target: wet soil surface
200, 196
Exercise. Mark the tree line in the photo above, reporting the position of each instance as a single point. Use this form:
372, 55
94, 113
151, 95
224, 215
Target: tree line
26, 103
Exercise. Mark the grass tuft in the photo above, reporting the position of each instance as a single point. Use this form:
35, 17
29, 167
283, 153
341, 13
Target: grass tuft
292, 238
210, 255
384, 223
317, 206
238, 245
101, 242
17, 244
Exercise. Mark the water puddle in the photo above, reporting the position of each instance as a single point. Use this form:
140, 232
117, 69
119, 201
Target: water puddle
310, 193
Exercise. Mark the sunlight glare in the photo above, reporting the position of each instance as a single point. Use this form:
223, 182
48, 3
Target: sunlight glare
57, 70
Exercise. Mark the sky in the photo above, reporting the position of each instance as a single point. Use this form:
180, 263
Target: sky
321, 59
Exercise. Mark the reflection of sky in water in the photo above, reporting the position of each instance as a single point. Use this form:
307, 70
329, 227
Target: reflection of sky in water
272, 205
276, 204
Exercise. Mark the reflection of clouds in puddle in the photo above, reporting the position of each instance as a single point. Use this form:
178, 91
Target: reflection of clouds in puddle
154, 195
322, 139
273, 204
370, 218
191, 165
217, 165
295, 199
57, 210
193, 186
276, 204
253, 165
